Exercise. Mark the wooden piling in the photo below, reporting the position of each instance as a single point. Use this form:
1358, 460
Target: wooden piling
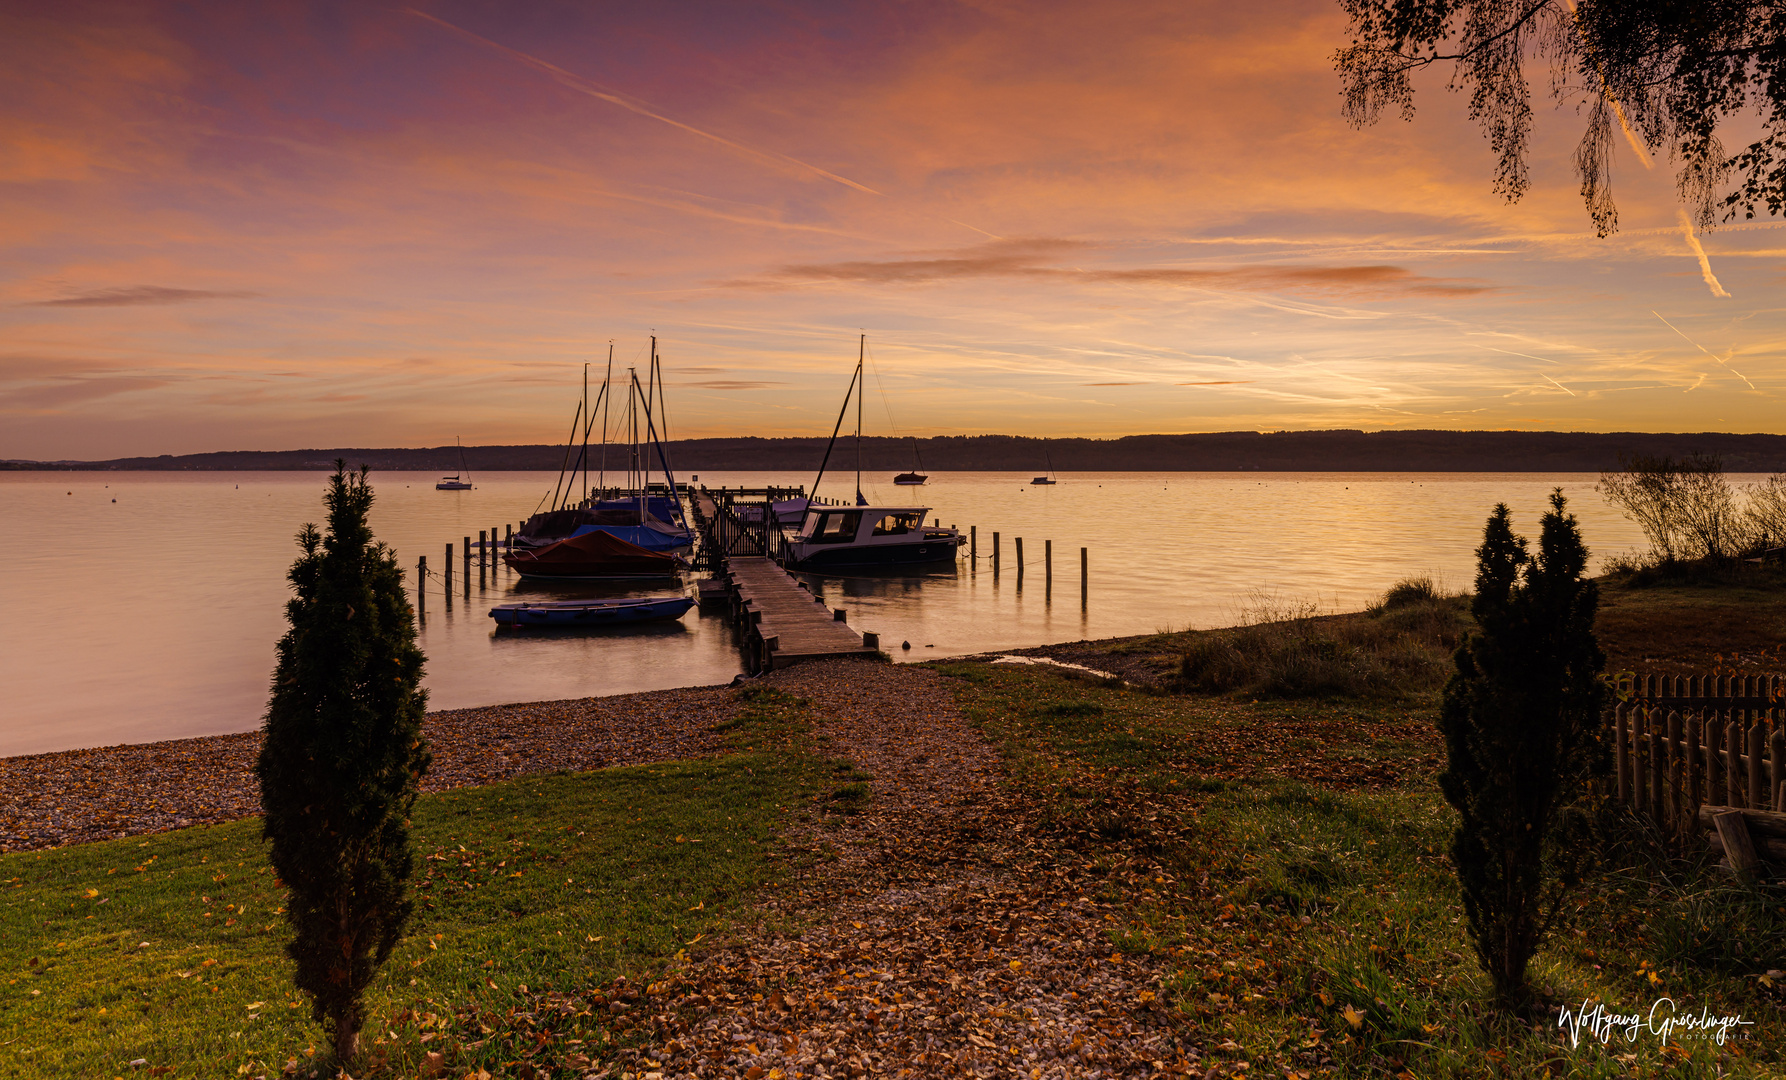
1020, 562
421, 588
483, 548
449, 569
973, 546
1084, 588
1048, 568
994, 554
467, 567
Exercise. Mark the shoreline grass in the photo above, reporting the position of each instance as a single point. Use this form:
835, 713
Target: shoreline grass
1309, 916
169, 948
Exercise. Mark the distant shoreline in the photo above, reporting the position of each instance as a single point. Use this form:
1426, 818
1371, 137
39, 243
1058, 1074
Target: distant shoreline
1283, 451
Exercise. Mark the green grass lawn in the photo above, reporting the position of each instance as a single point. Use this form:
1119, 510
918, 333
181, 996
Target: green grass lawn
1298, 887
169, 949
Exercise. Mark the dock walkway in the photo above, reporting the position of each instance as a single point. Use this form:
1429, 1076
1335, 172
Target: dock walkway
784, 621
779, 620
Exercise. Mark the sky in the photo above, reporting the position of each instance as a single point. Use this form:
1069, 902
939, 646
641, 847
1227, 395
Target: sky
246, 226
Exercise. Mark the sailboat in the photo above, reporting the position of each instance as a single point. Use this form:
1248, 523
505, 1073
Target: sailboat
454, 483
640, 514
861, 536
913, 478
1048, 479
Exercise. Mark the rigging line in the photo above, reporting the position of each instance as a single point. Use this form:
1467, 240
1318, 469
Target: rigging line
569, 442
841, 413
881, 389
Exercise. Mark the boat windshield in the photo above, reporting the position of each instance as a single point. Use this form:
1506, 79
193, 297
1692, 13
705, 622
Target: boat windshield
835, 527
896, 524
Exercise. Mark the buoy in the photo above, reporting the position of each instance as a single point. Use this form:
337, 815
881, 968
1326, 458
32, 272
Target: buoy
906, 645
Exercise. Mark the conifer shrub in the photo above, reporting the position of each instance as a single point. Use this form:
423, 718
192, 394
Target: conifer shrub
342, 758
1525, 756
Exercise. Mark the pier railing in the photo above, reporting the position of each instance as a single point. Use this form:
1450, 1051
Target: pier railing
742, 523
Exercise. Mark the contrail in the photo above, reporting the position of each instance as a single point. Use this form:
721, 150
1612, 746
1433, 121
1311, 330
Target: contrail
1702, 349
1556, 384
1527, 355
584, 86
1705, 264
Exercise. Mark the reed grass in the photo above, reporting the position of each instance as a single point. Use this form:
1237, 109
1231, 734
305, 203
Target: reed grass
1399, 647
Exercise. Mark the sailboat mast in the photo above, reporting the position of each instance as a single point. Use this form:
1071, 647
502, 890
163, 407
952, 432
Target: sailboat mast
861, 392
585, 485
607, 400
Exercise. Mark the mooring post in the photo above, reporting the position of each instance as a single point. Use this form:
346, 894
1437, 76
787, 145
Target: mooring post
467, 567
1083, 588
483, 542
1048, 567
421, 588
1020, 562
973, 547
449, 570
994, 554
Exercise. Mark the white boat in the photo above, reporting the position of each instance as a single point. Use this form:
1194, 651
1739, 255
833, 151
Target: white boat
837, 537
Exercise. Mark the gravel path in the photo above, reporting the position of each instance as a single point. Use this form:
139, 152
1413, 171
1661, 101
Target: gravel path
937, 941
75, 796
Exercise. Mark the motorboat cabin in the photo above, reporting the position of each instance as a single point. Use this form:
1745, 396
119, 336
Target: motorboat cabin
870, 536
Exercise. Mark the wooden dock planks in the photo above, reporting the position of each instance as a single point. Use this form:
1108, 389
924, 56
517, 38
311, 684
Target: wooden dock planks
780, 611
780, 621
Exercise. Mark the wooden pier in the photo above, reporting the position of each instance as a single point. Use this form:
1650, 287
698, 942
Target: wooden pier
779, 620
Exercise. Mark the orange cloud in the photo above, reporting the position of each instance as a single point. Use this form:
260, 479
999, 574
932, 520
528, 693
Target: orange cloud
1027, 259
139, 294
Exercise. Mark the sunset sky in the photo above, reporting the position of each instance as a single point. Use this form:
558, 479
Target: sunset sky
247, 226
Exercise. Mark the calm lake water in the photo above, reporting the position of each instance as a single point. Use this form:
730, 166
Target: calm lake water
145, 606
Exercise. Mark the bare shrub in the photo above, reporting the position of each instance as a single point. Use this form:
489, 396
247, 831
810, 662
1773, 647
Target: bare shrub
1686, 509
1765, 514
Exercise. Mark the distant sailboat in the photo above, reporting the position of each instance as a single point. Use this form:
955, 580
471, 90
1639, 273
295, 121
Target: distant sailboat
913, 478
454, 483
1049, 479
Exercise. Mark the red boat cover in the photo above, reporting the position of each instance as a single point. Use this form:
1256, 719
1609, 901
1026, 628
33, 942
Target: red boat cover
592, 555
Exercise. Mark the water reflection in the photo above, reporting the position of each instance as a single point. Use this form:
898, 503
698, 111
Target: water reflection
160, 622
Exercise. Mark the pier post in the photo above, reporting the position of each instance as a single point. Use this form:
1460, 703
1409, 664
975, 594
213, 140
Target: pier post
483, 545
467, 567
449, 571
1048, 569
994, 554
1083, 588
421, 589
1019, 562
508, 541
973, 547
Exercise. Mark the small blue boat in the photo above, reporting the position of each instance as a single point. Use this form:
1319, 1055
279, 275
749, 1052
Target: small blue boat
584, 613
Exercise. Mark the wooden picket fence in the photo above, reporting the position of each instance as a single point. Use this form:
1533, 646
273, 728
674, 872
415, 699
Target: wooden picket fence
1682, 743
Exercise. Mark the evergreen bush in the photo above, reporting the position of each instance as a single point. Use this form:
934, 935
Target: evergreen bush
342, 757
1525, 752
